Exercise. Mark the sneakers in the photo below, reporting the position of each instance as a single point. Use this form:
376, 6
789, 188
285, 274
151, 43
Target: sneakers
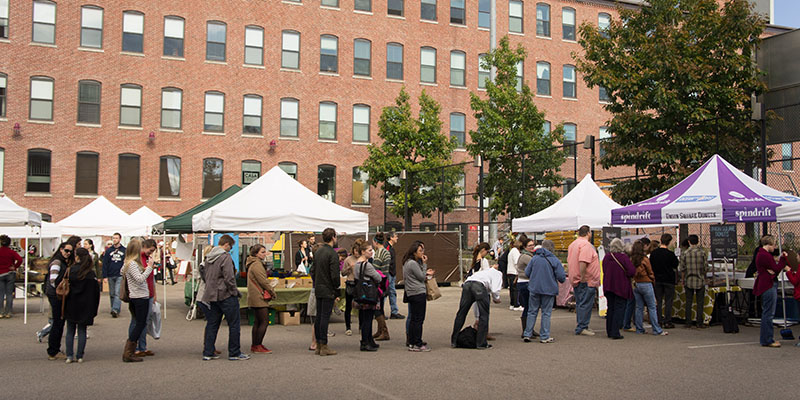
80, 361
527, 339
331, 334
520, 308
511, 308
240, 357
663, 333
587, 332
114, 314
629, 329
59, 356
348, 332
773, 344
69, 360
397, 316
548, 340
417, 349
209, 358
260, 349
487, 347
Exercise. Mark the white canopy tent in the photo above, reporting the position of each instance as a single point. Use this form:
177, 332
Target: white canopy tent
49, 235
13, 215
101, 217
147, 217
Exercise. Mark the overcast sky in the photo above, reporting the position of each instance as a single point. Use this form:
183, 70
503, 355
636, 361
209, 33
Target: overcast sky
787, 13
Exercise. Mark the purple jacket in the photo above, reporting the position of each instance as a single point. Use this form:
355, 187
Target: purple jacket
765, 263
617, 275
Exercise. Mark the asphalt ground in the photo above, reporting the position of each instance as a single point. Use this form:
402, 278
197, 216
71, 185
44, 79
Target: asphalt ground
687, 363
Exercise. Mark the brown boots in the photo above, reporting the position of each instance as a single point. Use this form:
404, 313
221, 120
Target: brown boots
383, 331
127, 354
324, 350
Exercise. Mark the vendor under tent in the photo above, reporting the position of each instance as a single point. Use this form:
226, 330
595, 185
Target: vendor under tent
101, 218
13, 215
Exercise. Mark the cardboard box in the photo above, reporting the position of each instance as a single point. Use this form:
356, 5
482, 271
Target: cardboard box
276, 282
304, 283
290, 318
291, 283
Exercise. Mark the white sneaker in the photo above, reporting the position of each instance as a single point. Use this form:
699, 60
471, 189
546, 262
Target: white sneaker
548, 340
511, 308
520, 308
587, 332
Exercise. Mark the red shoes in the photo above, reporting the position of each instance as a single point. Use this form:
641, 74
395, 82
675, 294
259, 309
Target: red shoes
260, 349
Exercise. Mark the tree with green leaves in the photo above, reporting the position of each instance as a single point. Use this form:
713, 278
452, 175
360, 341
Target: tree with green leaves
418, 147
679, 75
510, 138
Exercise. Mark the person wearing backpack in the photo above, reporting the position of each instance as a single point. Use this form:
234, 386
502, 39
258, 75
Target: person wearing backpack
81, 303
58, 266
364, 273
545, 271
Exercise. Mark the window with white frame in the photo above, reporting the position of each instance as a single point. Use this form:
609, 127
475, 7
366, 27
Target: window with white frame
130, 105
44, 22
603, 135
41, 103
542, 20
362, 57
520, 75
543, 78
484, 73
173, 36
360, 186
327, 120
361, 123
568, 23
461, 198
251, 124
3, 30
290, 49
214, 118
133, 32
394, 61
570, 90
329, 54
458, 129
92, 27
171, 105
457, 67
427, 10
216, 33
289, 117
427, 67
254, 45
570, 135
515, 16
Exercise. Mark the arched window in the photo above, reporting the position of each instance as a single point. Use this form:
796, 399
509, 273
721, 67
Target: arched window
133, 32
128, 176
89, 101
169, 176
87, 164
362, 57
38, 171
329, 54
326, 182
173, 36
214, 118
216, 33
212, 177
394, 61
290, 168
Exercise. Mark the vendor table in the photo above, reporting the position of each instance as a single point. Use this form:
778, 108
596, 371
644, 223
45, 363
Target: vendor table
679, 303
285, 296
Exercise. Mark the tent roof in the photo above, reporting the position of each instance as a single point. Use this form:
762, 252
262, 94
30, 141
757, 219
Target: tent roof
12, 214
146, 216
277, 202
48, 231
100, 217
182, 223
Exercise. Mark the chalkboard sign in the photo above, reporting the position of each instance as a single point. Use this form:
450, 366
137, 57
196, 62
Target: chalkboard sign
723, 242
609, 234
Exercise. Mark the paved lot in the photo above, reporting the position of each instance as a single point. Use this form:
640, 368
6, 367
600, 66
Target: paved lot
692, 363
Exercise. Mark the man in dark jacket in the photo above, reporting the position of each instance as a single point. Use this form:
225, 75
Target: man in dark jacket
223, 296
113, 258
391, 241
325, 273
665, 264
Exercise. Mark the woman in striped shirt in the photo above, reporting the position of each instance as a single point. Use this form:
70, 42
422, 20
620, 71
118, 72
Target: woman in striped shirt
139, 306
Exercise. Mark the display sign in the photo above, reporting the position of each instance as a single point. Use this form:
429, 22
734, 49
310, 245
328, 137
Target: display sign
723, 242
610, 233
249, 177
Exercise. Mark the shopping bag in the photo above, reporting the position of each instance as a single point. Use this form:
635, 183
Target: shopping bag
302, 269
154, 321
432, 288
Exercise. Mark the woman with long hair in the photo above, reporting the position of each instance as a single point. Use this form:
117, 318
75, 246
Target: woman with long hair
479, 261
136, 275
350, 284
302, 256
81, 303
644, 292
415, 272
364, 270
59, 263
257, 285
88, 244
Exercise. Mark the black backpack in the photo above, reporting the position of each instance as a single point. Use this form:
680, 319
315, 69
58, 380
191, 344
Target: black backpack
467, 338
366, 291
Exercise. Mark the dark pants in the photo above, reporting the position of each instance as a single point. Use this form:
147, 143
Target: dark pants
473, 292
513, 294
348, 310
699, 295
57, 329
614, 314
665, 292
260, 325
230, 309
524, 296
416, 316
379, 311
139, 309
364, 325
324, 309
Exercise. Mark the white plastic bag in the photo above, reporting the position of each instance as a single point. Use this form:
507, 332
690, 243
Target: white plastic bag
154, 321
302, 268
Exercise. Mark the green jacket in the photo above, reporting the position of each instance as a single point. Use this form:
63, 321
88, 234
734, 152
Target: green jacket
382, 259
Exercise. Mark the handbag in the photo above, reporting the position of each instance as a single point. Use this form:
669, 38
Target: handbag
432, 289
624, 273
350, 288
366, 290
62, 290
266, 296
124, 294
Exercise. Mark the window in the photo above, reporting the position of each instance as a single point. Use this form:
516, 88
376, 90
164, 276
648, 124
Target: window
290, 50
215, 41
520, 75
603, 136
484, 13
214, 119
254, 45
569, 82
38, 171
569, 184
361, 123
543, 78
362, 57
289, 117
92, 27
326, 182
786, 156
173, 36
86, 167
394, 61
543, 20
484, 74
133, 32
252, 115
360, 187
330, 3
212, 177
395, 7
327, 120
427, 69
462, 190
251, 171
457, 66
44, 22
130, 105
3, 102
546, 127
363, 5
457, 12
457, 129
428, 10
570, 133
89, 102
568, 23
290, 168
41, 99
603, 22
603, 95
515, 16
128, 178
171, 103
3, 35
329, 54
169, 177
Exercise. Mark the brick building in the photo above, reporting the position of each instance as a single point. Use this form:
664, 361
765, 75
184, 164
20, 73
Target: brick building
167, 103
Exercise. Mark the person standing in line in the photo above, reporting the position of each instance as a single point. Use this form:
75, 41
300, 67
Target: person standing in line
415, 273
223, 295
380, 261
88, 244
584, 275
148, 248
476, 290
257, 283
9, 262
325, 273
617, 273
363, 270
511, 276
59, 263
643, 292
113, 260
528, 248
136, 277
693, 268
81, 303
545, 271
311, 248
766, 286
665, 265
391, 241
348, 274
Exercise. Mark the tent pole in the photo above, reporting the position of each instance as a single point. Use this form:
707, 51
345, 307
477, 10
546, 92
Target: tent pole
25, 289
783, 284
164, 271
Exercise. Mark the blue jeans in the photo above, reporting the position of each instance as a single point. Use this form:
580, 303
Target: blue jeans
230, 308
70, 339
538, 302
645, 295
768, 301
113, 292
393, 294
7, 292
142, 343
630, 307
584, 302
